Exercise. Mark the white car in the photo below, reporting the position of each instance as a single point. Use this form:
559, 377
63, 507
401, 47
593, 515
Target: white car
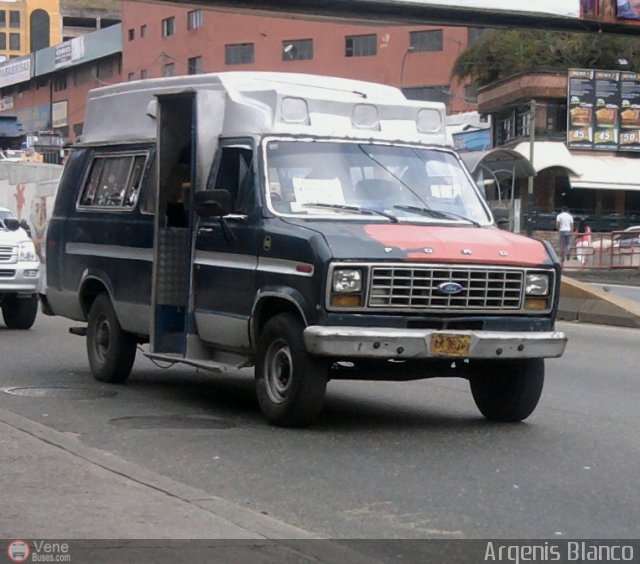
19, 273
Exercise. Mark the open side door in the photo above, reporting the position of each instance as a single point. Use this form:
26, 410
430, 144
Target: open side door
173, 231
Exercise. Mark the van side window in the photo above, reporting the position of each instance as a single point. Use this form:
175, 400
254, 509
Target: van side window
235, 174
114, 181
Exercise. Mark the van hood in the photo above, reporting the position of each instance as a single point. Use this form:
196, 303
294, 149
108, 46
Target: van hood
430, 243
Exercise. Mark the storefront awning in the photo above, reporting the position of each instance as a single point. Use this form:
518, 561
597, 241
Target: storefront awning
602, 172
549, 154
502, 163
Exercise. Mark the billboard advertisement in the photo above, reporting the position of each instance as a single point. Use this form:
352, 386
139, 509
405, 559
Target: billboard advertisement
628, 9
603, 110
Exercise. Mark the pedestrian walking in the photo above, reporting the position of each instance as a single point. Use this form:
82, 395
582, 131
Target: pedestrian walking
564, 224
583, 240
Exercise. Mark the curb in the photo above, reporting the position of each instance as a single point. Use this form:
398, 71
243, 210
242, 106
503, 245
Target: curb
248, 523
580, 301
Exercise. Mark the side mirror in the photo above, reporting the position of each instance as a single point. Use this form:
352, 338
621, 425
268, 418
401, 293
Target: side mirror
11, 224
212, 203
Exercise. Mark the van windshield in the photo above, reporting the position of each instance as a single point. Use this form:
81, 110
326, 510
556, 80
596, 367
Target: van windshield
383, 182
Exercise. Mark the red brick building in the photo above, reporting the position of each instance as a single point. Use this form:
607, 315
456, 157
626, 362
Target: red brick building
162, 39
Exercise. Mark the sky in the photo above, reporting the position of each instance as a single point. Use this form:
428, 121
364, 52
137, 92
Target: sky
566, 8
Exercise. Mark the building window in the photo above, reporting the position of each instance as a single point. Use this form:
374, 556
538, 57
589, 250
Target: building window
83, 75
471, 93
143, 30
132, 34
39, 30
239, 54
3, 41
195, 65
168, 26
297, 50
194, 19
426, 40
475, 33
429, 93
169, 69
77, 129
361, 45
105, 69
143, 74
3, 18
14, 19
14, 42
60, 82
131, 76
41, 82
513, 124
24, 87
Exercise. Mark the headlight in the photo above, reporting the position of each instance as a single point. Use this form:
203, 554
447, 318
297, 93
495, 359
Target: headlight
347, 281
537, 284
27, 252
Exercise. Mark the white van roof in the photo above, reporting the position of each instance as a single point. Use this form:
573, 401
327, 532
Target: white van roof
257, 103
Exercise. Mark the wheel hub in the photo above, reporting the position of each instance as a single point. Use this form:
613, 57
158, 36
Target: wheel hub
279, 368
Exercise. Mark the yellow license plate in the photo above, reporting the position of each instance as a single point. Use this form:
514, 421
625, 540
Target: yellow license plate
450, 345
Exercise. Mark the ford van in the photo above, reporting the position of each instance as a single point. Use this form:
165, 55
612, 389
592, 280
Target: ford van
314, 228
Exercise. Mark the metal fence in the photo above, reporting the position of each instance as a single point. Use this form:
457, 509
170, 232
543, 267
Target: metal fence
618, 249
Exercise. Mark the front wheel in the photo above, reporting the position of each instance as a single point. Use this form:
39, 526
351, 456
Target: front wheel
290, 383
508, 390
20, 313
111, 350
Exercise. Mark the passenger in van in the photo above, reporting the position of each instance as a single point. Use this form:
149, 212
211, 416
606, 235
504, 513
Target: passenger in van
180, 184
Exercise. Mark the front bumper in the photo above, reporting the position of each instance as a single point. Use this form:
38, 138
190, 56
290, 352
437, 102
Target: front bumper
389, 343
22, 278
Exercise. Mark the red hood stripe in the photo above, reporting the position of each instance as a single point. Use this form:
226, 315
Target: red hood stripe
459, 244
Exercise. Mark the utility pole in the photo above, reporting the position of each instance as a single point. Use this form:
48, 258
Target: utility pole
532, 139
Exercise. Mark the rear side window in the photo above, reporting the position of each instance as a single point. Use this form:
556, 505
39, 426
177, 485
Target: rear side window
114, 181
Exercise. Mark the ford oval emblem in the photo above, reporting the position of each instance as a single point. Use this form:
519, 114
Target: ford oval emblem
450, 288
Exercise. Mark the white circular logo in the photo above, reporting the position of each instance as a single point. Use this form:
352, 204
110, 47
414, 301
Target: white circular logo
18, 551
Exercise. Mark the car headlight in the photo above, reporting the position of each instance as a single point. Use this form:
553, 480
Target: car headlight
27, 252
537, 284
347, 281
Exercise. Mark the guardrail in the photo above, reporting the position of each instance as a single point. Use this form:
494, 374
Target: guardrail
618, 249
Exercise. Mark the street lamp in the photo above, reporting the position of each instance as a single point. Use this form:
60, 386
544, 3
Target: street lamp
404, 60
532, 140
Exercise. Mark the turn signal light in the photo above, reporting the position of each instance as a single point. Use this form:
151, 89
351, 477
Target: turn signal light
348, 300
536, 303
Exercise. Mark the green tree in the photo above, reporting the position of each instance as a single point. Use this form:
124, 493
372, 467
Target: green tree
501, 53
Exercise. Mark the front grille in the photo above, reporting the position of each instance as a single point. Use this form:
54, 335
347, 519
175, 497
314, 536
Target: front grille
417, 288
4, 273
7, 254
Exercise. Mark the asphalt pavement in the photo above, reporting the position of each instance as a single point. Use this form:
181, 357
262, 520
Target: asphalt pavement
183, 454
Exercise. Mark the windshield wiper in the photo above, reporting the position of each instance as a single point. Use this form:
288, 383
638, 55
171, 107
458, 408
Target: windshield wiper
437, 214
345, 207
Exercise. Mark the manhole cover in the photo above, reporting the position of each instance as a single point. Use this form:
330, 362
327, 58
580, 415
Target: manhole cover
171, 422
61, 392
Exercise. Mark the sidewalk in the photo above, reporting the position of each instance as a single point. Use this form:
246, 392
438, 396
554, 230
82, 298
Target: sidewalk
54, 486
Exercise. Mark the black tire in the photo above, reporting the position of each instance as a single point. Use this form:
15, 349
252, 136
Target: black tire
290, 384
20, 313
111, 350
508, 390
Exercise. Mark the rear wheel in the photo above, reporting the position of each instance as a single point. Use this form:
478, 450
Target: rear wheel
508, 390
111, 350
20, 313
290, 383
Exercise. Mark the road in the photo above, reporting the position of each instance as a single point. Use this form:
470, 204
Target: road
386, 460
